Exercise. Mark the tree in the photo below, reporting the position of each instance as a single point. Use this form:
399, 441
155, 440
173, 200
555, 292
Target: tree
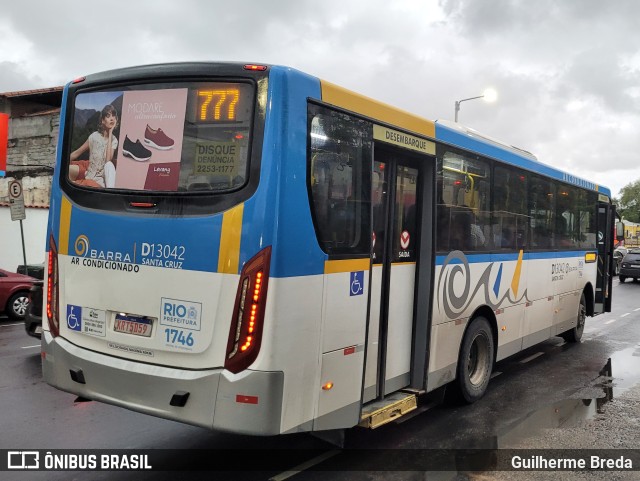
629, 202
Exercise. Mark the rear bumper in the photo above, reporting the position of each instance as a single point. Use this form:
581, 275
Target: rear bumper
33, 325
249, 402
629, 272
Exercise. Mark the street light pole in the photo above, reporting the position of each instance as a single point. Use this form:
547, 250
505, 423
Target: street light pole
458, 102
489, 95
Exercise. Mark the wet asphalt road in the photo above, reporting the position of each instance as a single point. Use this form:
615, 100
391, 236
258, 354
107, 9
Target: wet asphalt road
34, 415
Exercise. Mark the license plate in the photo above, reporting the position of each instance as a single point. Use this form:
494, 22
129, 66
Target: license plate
635, 265
38, 329
136, 325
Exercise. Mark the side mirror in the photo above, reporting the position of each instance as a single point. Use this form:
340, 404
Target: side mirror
619, 231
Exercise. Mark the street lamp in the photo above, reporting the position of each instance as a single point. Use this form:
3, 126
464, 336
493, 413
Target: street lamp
489, 95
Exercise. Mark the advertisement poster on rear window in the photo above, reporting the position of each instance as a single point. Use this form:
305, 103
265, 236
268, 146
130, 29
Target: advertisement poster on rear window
151, 135
95, 139
128, 140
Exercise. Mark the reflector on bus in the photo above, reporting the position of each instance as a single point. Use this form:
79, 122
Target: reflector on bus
255, 67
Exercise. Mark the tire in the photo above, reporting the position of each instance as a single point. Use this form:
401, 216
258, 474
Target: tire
475, 362
18, 305
575, 334
622, 278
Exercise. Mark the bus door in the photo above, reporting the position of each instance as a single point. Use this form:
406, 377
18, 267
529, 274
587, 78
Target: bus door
606, 219
395, 196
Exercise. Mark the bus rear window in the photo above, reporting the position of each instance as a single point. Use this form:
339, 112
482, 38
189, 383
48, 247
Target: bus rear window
178, 137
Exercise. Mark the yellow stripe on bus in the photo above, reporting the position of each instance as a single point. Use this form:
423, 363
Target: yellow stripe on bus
343, 98
65, 226
515, 282
229, 256
346, 265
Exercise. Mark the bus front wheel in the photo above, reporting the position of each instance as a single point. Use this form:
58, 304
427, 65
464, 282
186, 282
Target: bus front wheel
476, 360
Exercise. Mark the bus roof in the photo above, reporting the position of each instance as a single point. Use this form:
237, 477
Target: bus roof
469, 139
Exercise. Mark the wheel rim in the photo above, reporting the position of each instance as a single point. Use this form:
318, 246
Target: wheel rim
478, 359
20, 305
582, 317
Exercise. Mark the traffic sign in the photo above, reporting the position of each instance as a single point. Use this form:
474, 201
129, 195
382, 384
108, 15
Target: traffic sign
16, 200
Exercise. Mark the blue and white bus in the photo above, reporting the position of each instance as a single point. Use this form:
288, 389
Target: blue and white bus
248, 248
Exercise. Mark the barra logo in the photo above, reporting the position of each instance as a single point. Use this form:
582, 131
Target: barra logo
23, 460
82, 245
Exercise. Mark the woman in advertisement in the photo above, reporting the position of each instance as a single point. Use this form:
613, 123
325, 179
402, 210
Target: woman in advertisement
99, 170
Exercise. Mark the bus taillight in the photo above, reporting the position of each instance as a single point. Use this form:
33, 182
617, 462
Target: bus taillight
248, 313
53, 307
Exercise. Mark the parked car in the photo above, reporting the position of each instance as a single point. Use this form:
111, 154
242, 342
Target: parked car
14, 293
618, 254
33, 320
630, 265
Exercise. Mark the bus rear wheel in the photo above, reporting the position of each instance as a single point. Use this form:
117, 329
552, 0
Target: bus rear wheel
476, 360
575, 334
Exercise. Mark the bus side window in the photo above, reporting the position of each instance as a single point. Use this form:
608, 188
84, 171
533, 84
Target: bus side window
442, 227
508, 240
339, 214
461, 238
463, 186
340, 180
320, 188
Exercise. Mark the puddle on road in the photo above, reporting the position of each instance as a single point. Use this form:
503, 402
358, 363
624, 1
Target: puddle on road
571, 412
626, 369
564, 414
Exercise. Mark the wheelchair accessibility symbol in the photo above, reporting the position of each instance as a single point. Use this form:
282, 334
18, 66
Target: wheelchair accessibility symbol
74, 317
357, 283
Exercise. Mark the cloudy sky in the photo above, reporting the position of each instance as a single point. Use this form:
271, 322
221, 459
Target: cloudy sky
567, 72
